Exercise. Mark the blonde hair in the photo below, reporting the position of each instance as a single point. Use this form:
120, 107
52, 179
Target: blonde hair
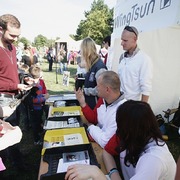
111, 79
89, 52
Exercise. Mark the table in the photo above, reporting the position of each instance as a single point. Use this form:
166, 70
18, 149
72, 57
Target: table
97, 150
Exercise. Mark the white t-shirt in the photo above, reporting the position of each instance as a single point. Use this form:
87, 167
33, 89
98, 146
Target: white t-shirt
135, 75
157, 163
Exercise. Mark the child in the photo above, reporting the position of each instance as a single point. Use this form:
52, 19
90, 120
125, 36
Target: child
38, 96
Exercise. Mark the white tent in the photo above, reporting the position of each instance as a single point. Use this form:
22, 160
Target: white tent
71, 43
159, 25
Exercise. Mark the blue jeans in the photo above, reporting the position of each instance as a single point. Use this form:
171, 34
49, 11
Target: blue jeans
63, 67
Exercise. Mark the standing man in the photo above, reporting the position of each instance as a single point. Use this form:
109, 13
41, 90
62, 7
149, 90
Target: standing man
9, 80
135, 67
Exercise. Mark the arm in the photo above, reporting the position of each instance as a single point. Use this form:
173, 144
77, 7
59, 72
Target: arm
146, 74
90, 115
110, 164
178, 169
144, 98
84, 172
9, 135
112, 145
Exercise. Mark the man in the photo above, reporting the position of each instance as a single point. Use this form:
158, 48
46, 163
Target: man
107, 44
9, 80
101, 119
135, 67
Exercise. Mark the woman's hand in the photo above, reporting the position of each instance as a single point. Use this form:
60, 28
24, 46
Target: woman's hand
84, 172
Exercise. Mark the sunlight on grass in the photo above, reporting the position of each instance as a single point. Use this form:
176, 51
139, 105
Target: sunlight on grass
54, 82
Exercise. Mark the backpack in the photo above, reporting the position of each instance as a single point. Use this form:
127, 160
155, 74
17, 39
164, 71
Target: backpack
176, 118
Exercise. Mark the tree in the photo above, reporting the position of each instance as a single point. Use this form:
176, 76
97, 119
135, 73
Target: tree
40, 41
98, 23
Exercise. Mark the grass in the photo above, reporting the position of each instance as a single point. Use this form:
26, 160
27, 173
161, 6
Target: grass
54, 85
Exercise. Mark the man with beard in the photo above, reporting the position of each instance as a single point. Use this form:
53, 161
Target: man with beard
9, 80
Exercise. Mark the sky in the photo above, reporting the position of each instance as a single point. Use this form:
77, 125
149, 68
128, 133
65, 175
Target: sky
50, 18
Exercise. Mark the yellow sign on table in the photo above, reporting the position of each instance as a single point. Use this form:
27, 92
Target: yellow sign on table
64, 137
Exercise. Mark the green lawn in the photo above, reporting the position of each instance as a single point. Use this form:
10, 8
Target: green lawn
54, 84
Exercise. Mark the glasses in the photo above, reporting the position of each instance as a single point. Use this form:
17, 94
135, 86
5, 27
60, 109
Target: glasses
130, 29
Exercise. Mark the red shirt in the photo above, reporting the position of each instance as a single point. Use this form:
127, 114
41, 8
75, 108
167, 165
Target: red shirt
8, 71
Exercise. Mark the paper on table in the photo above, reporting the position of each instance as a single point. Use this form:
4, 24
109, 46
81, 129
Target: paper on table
72, 139
81, 157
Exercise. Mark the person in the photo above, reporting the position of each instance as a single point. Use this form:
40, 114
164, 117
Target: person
178, 169
107, 44
9, 80
36, 103
102, 52
81, 70
27, 56
94, 66
101, 119
50, 58
9, 135
19, 52
62, 59
6, 111
135, 67
143, 153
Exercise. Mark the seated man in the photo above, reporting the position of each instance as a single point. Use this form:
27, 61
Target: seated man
101, 119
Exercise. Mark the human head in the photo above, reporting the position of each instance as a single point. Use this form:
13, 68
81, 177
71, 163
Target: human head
88, 52
24, 67
129, 38
35, 71
136, 125
107, 42
9, 28
108, 82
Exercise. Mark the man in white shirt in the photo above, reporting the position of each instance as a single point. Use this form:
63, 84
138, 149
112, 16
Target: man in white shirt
135, 68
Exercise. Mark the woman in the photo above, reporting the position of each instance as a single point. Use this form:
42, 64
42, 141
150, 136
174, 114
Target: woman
94, 66
143, 153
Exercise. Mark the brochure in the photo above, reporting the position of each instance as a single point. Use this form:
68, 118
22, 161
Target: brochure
70, 158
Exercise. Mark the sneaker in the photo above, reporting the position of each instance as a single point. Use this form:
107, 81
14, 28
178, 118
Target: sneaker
38, 143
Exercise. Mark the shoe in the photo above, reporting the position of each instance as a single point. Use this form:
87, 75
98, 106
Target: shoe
38, 143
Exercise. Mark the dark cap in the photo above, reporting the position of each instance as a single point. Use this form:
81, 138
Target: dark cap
132, 29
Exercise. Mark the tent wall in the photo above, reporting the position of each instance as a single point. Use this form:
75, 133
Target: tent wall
163, 46
159, 25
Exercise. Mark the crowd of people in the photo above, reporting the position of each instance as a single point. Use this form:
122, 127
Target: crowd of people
115, 105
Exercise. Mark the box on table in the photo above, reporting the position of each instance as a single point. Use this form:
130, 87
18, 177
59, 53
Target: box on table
56, 112
64, 137
63, 122
52, 157
69, 98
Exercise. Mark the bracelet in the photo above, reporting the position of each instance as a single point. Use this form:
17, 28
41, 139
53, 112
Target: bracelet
112, 171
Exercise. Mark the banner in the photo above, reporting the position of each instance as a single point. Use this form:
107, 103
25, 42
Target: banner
147, 15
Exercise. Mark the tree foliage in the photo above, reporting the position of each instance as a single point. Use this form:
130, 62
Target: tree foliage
40, 41
98, 23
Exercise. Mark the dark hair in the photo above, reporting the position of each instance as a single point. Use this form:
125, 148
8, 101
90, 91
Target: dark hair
9, 19
107, 39
136, 126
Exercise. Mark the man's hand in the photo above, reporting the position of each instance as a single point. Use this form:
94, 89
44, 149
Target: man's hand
80, 97
23, 87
